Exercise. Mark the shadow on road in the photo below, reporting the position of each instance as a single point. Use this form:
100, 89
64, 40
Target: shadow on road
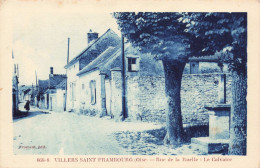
24, 115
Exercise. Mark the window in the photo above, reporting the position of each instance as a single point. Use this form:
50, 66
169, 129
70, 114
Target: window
132, 64
92, 86
83, 86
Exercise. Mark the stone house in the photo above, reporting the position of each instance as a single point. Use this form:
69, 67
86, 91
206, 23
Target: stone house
100, 84
57, 97
55, 94
51, 92
96, 45
94, 83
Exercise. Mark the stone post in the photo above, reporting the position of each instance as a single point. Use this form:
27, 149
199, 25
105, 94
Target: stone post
116, 94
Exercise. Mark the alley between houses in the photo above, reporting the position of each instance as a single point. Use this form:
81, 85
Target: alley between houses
64, 133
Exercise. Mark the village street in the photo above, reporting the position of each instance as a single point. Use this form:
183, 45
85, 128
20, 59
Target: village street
69, 133
54, 133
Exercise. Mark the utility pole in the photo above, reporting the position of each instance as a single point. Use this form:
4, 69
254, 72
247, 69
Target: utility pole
36, 85
17, 71
66, 86
123, 80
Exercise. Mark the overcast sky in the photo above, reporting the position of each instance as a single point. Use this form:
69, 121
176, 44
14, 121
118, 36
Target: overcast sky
40, 40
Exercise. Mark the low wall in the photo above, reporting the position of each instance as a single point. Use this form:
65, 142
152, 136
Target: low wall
146, 99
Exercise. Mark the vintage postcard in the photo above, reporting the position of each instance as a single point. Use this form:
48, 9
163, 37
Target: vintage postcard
129, 83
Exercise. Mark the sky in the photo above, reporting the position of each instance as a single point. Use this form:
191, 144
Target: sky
40, 40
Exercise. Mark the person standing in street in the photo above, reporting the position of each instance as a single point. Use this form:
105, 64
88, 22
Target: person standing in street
27, 106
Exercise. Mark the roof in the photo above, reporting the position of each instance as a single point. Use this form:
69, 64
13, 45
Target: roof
27, 91
55, 79
50, 91
93, 46
43, 83
109, 60
61, 85
100, 61
209, 58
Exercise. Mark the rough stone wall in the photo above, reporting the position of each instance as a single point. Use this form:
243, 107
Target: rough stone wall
116, 94
146, 98
147, 101
198, 90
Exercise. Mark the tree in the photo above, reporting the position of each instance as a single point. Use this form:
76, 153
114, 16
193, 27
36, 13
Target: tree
173, 38
162, 35
227, 32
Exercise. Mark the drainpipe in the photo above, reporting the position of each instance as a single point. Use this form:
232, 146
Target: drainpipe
123, 81
66, 88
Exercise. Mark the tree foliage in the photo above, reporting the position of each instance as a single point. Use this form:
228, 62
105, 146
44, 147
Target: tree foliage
205, 33
153, 33
178, 36
220, 32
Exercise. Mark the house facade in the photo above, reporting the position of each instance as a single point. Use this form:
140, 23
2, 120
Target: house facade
96, 45
101, 87
57, 97
51, 92
54, 99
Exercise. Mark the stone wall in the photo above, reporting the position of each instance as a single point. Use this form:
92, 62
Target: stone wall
146, 98
198, 90
116, 94
147, 101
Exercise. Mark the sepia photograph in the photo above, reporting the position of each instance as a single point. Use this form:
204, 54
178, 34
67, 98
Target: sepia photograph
129, 86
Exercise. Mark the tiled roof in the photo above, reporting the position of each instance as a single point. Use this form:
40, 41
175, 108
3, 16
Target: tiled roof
209, 58
43, 83
55, 79
108, 60
62, 84
95, 47
100, 61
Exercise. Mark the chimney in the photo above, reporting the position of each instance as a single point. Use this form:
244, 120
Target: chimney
51, 70
92, 36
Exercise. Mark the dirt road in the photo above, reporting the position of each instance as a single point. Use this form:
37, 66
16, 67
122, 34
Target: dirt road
70, 134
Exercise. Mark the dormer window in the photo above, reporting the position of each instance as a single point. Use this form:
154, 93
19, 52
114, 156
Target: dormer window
133, 64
